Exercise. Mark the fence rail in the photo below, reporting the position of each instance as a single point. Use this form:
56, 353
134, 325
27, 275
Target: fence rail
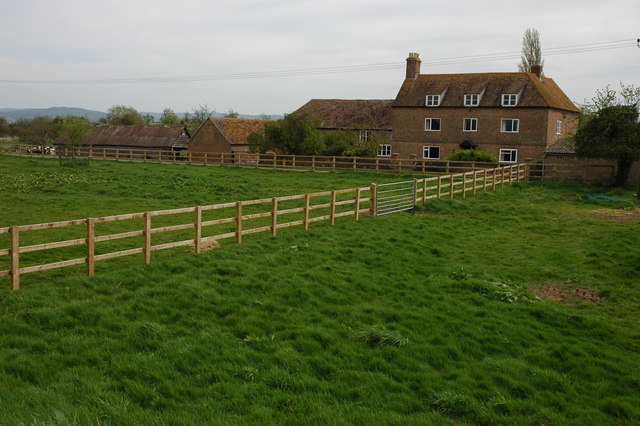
206, 225
246, 159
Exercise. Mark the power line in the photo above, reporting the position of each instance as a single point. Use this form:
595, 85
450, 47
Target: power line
491, 57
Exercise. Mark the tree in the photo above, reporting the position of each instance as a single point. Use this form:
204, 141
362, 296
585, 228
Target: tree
169, 118
37, 131
531, 50
298, 134
74, 131
610, 129
198, 116
123, 116
148, 119
4, 127
231, 113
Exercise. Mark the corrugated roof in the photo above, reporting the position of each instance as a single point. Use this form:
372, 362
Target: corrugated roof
534, 91
139, 136
351, 113
237, 130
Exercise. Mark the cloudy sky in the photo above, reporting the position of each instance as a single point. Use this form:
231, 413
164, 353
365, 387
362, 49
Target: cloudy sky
161, 54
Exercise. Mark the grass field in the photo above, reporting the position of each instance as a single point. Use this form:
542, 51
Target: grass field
518, 306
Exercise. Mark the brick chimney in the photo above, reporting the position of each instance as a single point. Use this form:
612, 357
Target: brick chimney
413, 66
537, 70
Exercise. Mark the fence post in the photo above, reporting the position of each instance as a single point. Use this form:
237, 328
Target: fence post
147, 238
357, 212
313, 163
15, 258
222, 158
355, 159
274, 216
333, 208
439, 186
293, 162
424, 190
257, 160
334, 163
91, 247
377, 165
450, 184
238, 222
374, 201
415, 191
475, 181
198, 240
484, 180
307, 202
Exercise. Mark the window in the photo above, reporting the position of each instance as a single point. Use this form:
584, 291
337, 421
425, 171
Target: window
433, 100
431, 152
432, 124
365, 135
510, 125
471, 100
509, 100
384, 150
558, 127
508, 155
470, 125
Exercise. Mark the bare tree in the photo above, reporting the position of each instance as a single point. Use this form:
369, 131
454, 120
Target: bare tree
531, 50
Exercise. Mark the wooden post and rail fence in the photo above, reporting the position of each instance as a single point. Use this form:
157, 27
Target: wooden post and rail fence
206, 225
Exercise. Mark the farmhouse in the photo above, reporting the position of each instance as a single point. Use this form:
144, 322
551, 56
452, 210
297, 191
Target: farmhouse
140, 138
516, 116
224, 135
368, 119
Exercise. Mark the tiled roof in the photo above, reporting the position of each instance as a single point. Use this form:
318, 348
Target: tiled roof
139, 136
562, 147
237, 130
351, 113
534, 91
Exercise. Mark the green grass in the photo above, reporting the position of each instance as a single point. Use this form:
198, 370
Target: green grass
422, 317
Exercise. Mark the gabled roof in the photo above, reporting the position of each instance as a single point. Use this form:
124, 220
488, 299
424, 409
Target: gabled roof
139, 136
237, 130
533, 91
367, 114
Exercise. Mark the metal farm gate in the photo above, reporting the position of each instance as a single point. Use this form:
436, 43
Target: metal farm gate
395, 197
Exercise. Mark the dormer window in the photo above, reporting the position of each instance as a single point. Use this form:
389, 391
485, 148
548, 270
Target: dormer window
433, 100
509, 99
471, 100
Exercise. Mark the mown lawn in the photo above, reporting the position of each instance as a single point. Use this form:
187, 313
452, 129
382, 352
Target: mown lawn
423, 317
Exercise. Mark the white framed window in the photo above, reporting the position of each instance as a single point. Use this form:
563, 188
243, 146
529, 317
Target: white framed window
508, 155
431, 152
558, 127
433, 100
384, 150
471, 100
470, 125
432, 124
509, 99
510, 125
365, 135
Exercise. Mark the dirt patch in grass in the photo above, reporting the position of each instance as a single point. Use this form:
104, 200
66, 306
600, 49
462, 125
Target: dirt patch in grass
621, 215
565, 293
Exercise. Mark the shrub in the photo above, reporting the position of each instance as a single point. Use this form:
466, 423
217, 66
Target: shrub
472, 155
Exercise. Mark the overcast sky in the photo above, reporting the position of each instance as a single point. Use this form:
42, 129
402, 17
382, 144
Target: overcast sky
87, 40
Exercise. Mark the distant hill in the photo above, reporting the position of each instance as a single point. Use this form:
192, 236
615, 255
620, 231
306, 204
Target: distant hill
15, 114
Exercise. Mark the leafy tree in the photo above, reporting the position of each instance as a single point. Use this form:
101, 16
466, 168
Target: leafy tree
148, 119
198, 116
37, 131
4, 127
231, 113
610, 129
124, 116
531, 50
74, 131
169, 118
472, 155
298, 134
